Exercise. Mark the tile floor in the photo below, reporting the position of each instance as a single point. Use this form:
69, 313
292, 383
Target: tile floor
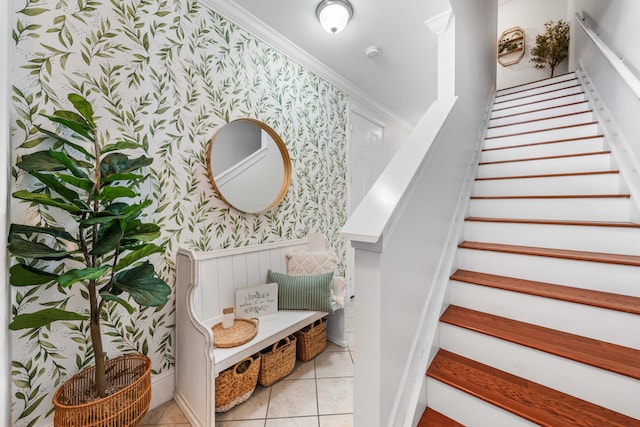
318, 393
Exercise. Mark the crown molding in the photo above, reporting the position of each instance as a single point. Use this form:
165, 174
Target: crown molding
243, 18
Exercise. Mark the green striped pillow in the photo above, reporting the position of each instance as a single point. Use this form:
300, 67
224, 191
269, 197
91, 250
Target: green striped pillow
303, 292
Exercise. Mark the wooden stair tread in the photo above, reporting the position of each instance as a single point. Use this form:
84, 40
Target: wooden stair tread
540, 119
541, 130
559, 156
551, 175
556, 196
547, 92
529, 400
603, 355
610, 301
432, 418
556, 222
608, 258
554, 141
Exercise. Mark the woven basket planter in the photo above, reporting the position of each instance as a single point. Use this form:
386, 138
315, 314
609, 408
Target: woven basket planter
312, 340
76, 404
236, 384
277, 361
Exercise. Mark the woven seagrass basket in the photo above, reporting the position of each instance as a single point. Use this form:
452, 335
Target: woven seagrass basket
129, 376
277, 361
312, 340
236, 384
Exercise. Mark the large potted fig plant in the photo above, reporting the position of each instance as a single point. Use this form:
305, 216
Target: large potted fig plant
102, 250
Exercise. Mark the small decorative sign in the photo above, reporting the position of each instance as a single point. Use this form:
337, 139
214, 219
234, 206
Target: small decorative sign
257, 300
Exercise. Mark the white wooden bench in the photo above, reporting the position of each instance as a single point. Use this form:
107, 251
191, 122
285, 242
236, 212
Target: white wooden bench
205, 284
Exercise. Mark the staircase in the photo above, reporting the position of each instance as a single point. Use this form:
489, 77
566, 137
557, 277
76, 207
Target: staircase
543, 326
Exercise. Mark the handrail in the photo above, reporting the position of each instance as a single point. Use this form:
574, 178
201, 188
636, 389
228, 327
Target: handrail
617, 63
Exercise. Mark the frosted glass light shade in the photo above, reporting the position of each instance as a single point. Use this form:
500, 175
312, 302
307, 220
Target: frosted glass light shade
334, 15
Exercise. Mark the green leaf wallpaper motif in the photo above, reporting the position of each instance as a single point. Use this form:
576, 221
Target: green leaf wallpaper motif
166, 75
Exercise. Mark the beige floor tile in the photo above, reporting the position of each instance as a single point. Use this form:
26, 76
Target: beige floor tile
173, 415
335, 396
293, 398
153, 417
342, 420
293, 422
245, 423
351, 340
253, 409
302, 370
335, 347
334, 364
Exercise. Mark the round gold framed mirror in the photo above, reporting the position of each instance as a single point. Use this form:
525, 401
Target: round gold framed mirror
249, 165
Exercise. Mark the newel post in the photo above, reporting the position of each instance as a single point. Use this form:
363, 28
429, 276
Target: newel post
443, 27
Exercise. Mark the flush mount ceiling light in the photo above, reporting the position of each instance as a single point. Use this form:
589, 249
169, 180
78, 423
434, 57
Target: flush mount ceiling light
334, 14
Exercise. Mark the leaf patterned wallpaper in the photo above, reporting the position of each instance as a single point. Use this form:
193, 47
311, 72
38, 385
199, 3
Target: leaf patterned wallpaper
166, 73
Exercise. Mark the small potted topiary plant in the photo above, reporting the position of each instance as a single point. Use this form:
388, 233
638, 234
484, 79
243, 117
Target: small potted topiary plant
102, 248
552, 47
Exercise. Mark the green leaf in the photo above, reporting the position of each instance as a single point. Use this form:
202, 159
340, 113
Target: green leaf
100, 219
109, 297
73, 121
89, 273
51, 231
111, 193
51, 182
118, 163
65, 141
72, 164
137, 254
40, 161
122, 145
84, 108
140, 282
33, 11
27, 249
43, 199
109, 240
123, 177
83, 183
24, 275
143, 232
43, 317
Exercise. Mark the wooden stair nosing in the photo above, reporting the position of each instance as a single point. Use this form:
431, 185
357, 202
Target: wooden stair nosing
526, 399
606, 300
599, 354
556, 222
543, 109
538, 94
555, 141
534, 102
540, 119
558, 156
556, 196
432, 418
538, 81
542, 130
605, 258
551, 175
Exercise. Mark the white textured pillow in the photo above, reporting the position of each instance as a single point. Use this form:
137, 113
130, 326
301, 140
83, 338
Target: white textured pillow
306, 263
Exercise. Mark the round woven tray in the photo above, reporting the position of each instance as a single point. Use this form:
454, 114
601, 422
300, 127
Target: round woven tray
242, 331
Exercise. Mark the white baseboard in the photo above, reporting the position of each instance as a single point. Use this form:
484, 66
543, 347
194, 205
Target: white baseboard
162, 387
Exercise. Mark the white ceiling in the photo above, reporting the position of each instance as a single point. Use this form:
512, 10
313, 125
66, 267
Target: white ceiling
401, 81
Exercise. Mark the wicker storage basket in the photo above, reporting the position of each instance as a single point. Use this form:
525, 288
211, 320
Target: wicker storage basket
312, 340
236, 384
277, 361
76, 404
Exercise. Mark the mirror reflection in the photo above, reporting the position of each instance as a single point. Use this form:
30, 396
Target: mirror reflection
249, 165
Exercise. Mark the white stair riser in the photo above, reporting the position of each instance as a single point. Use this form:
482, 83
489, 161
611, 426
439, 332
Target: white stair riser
580, 107
613, 278
536, 125
524, 92
586, 163
582, 131
588, 145
468, 410
615, 240
536, 84
539, 97
499, 111
559, 185
579, 209
578, 319
561, 374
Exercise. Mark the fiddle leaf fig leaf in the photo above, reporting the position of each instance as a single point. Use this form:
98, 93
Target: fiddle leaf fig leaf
44, 199
65, 141
114, 192
137, 254
43, 317
24, 275
51, 182
118, 163
71, 164
83, 183
51, 231
40, 161
140, 282
73, 121
110, 297
123, 177
109, 239
142, 232
89, 273
24, 248
122, 145
84, 108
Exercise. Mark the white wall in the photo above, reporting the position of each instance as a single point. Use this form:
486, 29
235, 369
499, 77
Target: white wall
530, 15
